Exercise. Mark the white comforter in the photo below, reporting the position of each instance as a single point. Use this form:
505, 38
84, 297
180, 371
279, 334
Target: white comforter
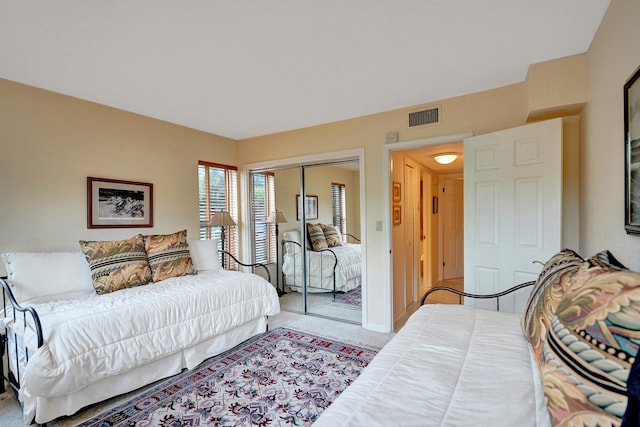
98, 336
320, 267
450, 365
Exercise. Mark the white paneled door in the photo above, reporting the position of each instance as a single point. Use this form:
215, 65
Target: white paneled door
452, 197
513, 208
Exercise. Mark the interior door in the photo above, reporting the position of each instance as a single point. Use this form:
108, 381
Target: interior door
453, 227
513, 208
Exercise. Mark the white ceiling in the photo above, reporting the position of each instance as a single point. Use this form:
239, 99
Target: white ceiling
252, 67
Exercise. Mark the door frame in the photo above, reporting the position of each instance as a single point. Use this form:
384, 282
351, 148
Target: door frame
388, 235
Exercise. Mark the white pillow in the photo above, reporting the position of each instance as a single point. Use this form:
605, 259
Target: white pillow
294, 236
34, 275
204, 254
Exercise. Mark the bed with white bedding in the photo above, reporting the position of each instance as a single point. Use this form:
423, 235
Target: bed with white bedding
570, 359
335, 269
431, 374
98, 346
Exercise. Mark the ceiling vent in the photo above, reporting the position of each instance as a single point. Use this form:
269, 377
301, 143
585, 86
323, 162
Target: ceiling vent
424, 117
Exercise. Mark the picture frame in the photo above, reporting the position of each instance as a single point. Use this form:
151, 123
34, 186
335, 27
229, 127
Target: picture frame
310, 207
115, 203
397, 215
632, 153
397, 192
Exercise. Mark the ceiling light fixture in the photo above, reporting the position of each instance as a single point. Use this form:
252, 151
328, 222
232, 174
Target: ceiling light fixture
445, 158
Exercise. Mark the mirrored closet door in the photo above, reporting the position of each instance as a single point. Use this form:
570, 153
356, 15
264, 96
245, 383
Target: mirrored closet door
306, 227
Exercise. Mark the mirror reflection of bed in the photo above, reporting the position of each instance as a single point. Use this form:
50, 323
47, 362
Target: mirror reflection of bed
333, 199
333, 276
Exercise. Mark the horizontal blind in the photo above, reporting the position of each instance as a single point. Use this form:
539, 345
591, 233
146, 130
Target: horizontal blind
263, 203
338, 203
218, 191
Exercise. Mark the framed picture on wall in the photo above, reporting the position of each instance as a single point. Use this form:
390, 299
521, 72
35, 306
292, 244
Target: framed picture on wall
632, 153
397, 215
114, 203
310, 207
397, 192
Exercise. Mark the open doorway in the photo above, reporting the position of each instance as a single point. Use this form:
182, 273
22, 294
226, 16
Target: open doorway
427, 240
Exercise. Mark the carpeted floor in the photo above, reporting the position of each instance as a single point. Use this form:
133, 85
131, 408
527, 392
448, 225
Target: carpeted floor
10, 414
353, 297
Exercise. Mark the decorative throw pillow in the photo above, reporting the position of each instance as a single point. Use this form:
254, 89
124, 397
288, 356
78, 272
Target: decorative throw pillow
545, 297
331, 235
316, 237
169, 255
118, 264
591, 347
607, 260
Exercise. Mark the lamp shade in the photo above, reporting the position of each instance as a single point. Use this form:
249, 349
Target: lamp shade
276, 217
445, 158
221, 218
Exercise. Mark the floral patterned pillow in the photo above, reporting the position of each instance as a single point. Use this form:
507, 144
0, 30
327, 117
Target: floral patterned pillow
117, 264
590, 348
545, 297
316, 237
331, 235
607, 260
169, 255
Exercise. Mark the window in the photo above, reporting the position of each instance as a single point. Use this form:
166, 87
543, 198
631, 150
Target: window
339, 206
263, 197
218, 190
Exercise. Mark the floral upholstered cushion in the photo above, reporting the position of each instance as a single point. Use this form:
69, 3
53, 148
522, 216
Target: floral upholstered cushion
169, 255
316, 237
607, 260
117, 264
591, 347
545, 297
331, 235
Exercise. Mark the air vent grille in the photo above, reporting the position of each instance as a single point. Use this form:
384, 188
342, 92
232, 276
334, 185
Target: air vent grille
424, 117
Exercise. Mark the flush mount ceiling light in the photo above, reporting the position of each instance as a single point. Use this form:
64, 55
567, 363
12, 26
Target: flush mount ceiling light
445, 158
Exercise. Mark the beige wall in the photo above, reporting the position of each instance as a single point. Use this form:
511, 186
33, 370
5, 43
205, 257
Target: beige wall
612, 59
50, 143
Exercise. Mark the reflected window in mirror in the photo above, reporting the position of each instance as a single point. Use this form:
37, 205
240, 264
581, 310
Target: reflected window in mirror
263, 202
339, 209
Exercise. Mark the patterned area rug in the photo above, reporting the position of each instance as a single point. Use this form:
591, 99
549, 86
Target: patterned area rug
282, 377
353, 297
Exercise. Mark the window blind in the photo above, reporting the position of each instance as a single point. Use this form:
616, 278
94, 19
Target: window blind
339, 208
218, 191
263, 203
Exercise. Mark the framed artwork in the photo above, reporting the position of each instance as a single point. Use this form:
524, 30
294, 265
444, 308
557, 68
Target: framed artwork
397, 215
310, 207
397, 193
632, 153
113, 203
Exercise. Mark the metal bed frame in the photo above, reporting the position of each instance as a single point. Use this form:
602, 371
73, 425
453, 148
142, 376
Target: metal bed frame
478, 296
12, 308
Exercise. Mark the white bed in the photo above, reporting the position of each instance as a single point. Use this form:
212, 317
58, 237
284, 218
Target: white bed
431, 374
334, 269
99, 346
